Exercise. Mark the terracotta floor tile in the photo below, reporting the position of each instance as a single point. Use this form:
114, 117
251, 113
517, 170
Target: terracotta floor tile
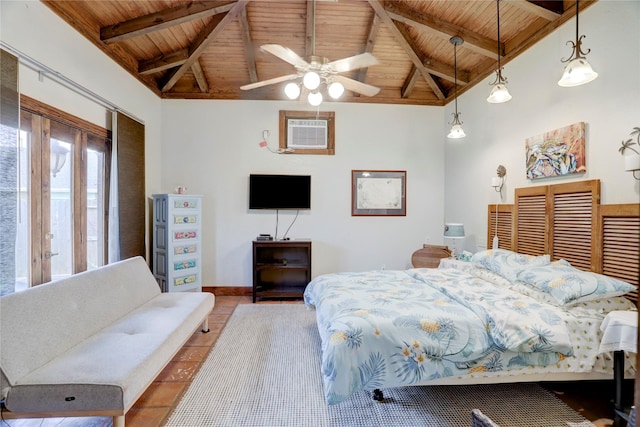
161, 393
147, 417
179, 371
192, 354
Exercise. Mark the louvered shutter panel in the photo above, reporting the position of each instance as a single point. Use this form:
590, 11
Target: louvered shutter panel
620, 227
505, 226
574, 223
531, 220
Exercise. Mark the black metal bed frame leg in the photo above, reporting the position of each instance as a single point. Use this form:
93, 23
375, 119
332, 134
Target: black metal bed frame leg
378, 395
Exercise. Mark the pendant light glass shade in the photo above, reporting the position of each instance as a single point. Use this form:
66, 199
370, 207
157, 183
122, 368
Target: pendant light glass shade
499, 94
456, 132
578, 70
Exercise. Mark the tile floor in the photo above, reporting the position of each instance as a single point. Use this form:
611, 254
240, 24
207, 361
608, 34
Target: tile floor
156, 404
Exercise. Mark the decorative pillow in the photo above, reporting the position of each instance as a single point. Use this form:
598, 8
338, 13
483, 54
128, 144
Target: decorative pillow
507, 263
568, 285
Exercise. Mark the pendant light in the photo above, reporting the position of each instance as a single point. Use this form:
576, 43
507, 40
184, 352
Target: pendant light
578, 70
499, 93
456, 131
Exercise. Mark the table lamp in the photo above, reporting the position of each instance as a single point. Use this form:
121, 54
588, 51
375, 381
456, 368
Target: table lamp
454, 231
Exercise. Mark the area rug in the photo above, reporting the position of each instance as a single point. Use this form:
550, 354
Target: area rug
264, 371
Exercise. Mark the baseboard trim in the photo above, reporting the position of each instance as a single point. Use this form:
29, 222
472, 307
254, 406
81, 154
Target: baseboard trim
227, 291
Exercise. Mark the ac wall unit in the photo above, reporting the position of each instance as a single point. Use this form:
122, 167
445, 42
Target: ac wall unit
307, 133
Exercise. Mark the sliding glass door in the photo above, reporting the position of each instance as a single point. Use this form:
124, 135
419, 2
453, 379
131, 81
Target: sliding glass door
61, 182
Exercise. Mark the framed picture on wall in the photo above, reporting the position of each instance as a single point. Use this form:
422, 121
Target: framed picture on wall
376, 192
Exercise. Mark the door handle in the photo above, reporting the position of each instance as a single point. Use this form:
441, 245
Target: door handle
49, 254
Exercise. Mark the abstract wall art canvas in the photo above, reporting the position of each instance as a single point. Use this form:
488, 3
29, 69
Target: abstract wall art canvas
556, 153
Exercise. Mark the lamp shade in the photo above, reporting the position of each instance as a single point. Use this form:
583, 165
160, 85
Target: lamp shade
456, 132
499, 94
453, 230
577, 72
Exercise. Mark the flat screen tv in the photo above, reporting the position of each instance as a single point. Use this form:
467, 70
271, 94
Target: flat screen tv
279, 191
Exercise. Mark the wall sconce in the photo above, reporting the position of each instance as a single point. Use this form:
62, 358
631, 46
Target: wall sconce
454, 231
58, 156
632, 160
578, 70
498, 181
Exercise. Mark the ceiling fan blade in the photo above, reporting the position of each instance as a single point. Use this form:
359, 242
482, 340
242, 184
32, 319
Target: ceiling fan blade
352, 63
285, 54
356, 86
269, 81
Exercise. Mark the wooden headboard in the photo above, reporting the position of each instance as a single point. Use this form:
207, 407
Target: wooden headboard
567, 221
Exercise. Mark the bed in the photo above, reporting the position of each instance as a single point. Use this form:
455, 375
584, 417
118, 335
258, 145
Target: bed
505, 317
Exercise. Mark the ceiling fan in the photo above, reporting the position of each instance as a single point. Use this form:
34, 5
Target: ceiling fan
316, 71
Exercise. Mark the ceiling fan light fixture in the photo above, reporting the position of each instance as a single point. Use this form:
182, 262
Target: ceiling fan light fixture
315, 98
336, 89
311, 80
578, 70
292, 90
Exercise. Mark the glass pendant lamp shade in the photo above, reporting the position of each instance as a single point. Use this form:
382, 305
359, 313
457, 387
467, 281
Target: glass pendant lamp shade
499, 94
292, 90
311, 80
315, 98
577, 72
336, 90
456, 132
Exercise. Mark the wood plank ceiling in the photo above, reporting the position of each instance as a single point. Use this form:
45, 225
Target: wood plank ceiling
208, 49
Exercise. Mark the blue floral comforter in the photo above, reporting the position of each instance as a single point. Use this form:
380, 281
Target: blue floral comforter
393, 328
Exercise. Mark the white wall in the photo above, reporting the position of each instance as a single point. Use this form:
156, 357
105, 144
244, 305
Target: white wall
211, 147
496, 133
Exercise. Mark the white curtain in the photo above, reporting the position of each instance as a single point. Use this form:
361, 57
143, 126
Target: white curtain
114, 219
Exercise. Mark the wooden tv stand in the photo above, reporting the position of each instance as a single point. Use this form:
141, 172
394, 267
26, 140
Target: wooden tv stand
281, 269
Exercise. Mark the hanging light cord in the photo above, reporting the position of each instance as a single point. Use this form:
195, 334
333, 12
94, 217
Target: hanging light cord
499, 47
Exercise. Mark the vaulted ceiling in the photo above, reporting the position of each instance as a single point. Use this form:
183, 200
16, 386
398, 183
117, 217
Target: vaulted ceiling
209, 49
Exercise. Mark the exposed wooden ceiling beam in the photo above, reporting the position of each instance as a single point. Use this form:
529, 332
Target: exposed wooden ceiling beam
374, 28
201, 79
536, 9
201, 42
379, 9
163, 19
473, 41
410, 82
163, 62
310, 29
249, 52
